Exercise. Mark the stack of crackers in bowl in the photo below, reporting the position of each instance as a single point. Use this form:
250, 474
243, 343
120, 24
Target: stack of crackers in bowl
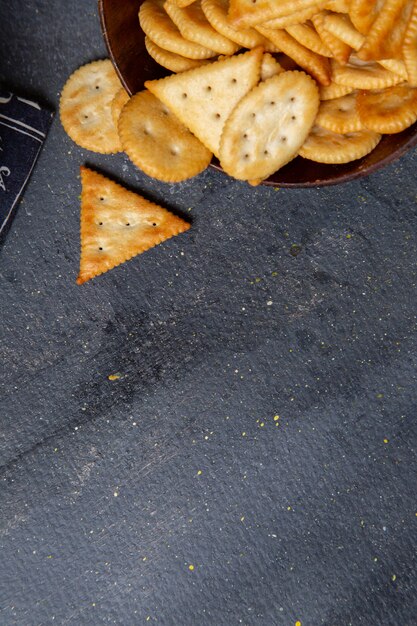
254, 83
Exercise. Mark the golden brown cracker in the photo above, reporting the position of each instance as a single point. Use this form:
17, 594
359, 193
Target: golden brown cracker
385, 37
325, 146
85, 107
340, 50
117, 224
170, 60
409, 48
158, 26
194, 26
158, 143
340, 115
216, 13
268, 126
118, 103
249, 13
388, 110
307, 36
363, 74
313, 63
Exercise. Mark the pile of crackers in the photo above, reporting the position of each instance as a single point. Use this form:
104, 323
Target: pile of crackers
255, 83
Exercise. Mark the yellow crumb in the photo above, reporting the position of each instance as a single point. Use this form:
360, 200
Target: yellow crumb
114, 376
276, 418
393, 578
262, 424
243, 434
199, 473
386, 440
191, 568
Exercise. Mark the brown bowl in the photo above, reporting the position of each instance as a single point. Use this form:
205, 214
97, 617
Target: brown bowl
126, 44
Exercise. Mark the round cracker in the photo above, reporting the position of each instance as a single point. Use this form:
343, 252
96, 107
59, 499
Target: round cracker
194, 26
173, 62
159, 27
340, 115
363, 74
118, 103
325, 146
85, 107
158, 143
389, 110
268, 126
329, 92
216, 13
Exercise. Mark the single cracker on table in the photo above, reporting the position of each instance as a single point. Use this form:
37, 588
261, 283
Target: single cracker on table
118, 103
204, 98
340, 115
170, 60
388, 110
268, 126
158, 26
158, 143
117, 224
194, 26
85, 107
326, 146
216, 13
315, 64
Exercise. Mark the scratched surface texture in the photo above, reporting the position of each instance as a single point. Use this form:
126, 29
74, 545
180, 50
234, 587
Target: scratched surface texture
171, 493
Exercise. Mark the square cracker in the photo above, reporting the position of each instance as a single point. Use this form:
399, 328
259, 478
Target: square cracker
117, 224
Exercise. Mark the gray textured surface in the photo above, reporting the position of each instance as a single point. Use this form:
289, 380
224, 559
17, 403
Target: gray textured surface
309, 518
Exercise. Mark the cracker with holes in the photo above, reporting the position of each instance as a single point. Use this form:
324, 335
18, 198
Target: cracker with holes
85, 107
388, 110
194, 26
268, 126
159, 27
340, 114
158, 143
117, 224
326, 146
204, 98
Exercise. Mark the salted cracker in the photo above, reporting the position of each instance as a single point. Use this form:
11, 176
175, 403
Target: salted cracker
117, 224
158, 143
85, 107
326, 146
268, 126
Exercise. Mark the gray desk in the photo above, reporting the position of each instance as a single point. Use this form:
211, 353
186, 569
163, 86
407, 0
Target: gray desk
110, 490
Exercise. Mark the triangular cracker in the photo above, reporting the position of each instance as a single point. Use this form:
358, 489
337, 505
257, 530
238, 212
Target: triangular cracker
117, 224
203, 98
